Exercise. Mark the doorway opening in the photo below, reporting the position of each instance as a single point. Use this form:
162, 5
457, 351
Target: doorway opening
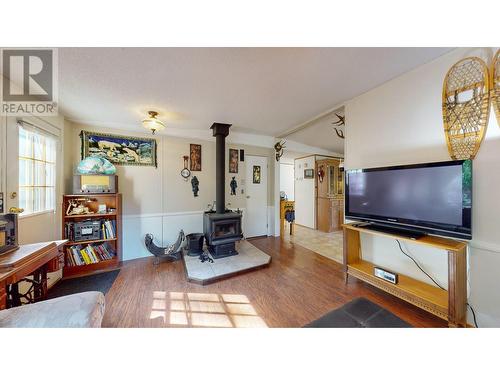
312, 185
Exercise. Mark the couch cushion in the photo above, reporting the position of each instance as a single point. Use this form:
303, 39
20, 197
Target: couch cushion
81, 310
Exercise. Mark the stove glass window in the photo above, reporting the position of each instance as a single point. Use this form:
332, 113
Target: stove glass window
224, 229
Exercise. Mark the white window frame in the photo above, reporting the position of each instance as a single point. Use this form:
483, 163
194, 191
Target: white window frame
53, 184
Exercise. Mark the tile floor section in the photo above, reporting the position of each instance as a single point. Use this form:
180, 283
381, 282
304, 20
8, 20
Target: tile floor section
248, 257
329, 245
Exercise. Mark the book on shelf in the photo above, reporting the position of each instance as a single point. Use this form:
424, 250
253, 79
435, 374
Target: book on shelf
107, 229
78, 255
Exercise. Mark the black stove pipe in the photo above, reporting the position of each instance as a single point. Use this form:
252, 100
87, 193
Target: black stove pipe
220, 132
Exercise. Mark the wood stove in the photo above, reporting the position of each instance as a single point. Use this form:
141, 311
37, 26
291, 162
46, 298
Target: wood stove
222, 227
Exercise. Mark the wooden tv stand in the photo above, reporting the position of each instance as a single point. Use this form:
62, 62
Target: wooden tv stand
450, 305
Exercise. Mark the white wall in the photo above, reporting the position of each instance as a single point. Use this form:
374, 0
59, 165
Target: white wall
159, 200
287, 180
400, 122
305, 193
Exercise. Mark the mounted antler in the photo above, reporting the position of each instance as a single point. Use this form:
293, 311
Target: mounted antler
340, 133
339, 122
278, 147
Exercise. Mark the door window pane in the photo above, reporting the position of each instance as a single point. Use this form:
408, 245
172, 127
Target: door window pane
37, 174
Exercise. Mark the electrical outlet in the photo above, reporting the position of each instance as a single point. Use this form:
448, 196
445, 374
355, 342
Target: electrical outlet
385, 275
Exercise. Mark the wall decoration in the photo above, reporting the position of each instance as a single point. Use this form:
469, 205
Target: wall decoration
466, 107
242, 155
309, 173
195, 157
118, 149
339, 123
195, 185
77, 207
185, 172
495, 85
321, 173
233, 160
233, 184
279, 148
256, 174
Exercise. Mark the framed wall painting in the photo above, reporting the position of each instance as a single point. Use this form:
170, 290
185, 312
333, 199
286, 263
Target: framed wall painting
119, 149
309, 173
233, 160
256, 174
195, 157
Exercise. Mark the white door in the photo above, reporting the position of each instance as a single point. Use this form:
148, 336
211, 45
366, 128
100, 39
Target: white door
255, 215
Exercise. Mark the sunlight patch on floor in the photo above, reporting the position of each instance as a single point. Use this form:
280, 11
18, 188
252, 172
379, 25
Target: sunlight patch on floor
205, 310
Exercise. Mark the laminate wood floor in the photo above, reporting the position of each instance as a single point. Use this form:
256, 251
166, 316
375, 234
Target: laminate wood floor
298, 286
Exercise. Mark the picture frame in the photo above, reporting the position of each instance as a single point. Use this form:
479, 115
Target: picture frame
119, 149
233, 160
195, 157
309, 173
256, 174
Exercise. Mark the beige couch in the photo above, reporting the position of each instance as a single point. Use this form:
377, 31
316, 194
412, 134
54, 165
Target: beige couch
81, 310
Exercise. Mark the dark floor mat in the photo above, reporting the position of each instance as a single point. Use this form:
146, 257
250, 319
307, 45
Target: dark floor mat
359, 313
100, 282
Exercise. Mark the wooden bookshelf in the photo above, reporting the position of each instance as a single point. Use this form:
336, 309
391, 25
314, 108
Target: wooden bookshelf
112, 201
71, 243
448, 304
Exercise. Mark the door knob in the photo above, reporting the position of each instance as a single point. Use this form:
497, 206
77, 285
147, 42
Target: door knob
16, 210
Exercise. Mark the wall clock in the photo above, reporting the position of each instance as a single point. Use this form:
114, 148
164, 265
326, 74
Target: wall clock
185, 172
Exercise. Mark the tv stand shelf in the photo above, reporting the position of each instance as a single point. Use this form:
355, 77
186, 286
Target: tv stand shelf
448, 304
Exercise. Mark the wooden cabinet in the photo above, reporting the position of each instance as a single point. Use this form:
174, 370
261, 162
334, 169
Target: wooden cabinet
330, 214
330, 195
337, 214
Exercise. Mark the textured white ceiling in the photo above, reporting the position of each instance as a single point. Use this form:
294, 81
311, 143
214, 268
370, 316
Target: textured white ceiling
259, 90
321, 133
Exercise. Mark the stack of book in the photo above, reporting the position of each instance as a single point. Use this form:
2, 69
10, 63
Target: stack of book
82, 255
108, 229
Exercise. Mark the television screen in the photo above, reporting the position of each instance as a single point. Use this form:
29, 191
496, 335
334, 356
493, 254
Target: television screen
433, 198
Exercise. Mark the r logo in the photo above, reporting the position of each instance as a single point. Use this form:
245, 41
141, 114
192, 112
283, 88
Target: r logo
28, 75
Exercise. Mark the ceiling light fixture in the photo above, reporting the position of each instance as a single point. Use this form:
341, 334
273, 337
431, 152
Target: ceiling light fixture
152, 123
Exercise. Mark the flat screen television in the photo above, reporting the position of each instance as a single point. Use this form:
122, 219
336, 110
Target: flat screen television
428, 198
